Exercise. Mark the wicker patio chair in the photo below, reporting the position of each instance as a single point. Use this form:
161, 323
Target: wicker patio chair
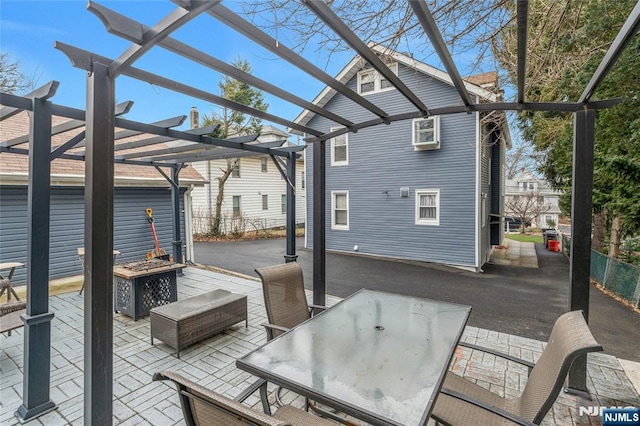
286, 303
10, 316
462, 402
202, 406
284, 298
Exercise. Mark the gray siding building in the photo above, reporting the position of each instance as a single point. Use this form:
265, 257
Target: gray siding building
136, 188
424, 189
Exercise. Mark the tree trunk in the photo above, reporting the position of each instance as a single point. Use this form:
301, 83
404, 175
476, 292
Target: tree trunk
217, 220
599, 229
616, 229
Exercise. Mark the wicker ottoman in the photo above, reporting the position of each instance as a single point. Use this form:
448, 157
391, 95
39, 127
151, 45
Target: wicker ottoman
188, 321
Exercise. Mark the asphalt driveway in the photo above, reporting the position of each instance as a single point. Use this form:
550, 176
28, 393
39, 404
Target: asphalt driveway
513, 300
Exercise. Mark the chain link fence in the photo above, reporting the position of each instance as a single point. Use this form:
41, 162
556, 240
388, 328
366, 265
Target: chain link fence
619, 277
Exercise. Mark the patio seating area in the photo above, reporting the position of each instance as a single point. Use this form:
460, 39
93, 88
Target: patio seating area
211, 363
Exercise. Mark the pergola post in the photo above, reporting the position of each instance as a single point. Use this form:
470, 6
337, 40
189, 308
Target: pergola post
291, 255
98, 297
580, 258
37, 321
177, 234
319, 218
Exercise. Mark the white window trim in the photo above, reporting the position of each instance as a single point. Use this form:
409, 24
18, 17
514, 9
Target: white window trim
436, 134
431, 222
346, 140
333, 211
376, 80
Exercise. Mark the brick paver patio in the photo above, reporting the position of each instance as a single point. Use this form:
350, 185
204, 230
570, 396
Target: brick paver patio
138, 400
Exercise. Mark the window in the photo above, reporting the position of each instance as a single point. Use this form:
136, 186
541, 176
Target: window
263, 164
427, 207
528, 186
339, 149
302, 179
236, 205
340, 210
426, 133
235, 172
540, 200
386, 84
265, 202
284, 204
366, 81
370, 81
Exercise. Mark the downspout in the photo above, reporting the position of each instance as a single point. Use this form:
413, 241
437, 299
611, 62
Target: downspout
208, 186
306, 197
188, 225
478, 240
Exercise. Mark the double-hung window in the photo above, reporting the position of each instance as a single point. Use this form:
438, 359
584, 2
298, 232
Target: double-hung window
236, 205
263, 164
340, 210
370, 81
427, 207
235, 171
283, 201
386, 84
426, 133
366, 81
339, 149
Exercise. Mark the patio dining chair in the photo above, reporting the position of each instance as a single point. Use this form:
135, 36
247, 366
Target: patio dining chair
10, 316
284, 298
202, 406
286, 303
462, 402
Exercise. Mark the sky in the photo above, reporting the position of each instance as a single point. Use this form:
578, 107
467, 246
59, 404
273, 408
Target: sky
28, 30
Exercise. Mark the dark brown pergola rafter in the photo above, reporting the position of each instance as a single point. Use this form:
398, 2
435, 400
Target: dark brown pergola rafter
100, 122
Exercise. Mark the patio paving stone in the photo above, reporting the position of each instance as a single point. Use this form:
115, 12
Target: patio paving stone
139, 401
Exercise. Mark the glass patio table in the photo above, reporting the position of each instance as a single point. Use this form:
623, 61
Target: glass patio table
379, 357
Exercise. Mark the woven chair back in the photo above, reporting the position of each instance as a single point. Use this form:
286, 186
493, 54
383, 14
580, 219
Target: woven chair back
284, 295
570, 338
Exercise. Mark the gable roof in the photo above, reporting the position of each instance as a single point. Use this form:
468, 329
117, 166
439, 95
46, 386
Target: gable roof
475, 85
14, 168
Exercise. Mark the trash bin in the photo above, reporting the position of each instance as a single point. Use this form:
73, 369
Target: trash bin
554, 245
549, 235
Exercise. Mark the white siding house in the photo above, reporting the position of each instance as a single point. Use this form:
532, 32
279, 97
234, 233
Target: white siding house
527, 184
254, 194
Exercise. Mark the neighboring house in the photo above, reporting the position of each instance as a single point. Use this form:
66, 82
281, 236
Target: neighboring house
254, 195
426, 189
136, 188
545, 210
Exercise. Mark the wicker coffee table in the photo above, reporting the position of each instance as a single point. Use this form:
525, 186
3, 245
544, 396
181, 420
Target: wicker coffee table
188, 321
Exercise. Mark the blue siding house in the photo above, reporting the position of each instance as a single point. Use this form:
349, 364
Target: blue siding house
427, 189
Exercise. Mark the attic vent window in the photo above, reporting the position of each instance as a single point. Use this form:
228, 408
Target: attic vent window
426, 133
370, 81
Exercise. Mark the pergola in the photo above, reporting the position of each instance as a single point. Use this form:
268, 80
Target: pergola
101, 152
